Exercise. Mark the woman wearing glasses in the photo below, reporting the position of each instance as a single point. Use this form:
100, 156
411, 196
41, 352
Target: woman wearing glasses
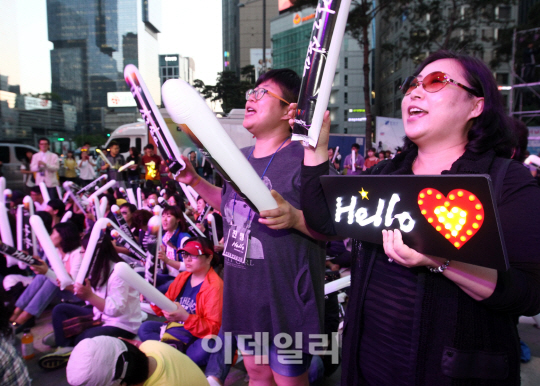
198, 293
415, 319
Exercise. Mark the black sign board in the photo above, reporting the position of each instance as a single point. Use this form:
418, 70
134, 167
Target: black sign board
453, 217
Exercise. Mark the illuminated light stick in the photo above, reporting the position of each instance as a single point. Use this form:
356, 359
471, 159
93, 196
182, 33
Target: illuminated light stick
188, 195
125, 166
92, 184
121, 221
193, 226
92, 248
335, 154
19, 255
104, 158
156, 125
320, 69
212, 223
353, 161
187, 108
67, 216
103, 205
337, 285
139, 198
139, 252
124, 271
123, 243
131, 196
69, 186
533, 160
44, 192
152, 244
51, 252
104, 188
29, 206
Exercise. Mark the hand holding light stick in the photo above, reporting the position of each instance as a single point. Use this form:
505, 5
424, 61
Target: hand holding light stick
186, 108
148, 291
124, 167
533, 160
134, 247
119, 240
104, 158
92, 248
156, 125
320, 69
51, 252
69, 187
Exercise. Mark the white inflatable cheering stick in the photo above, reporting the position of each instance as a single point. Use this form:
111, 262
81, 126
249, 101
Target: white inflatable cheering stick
5, 228
187, 109
91, 185
51, 252
104, 158
92, 249
69, 186
131, 196
29, 206
124, 167
533, 160
44, 192
147, 290
320, 69
156, 125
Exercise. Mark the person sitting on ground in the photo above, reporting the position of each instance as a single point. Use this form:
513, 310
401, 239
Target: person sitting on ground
41, 291
114, 302
198, 293
175, 234
104, 361
56, 208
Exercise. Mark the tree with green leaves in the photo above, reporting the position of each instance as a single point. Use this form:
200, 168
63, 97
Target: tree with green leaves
229, 88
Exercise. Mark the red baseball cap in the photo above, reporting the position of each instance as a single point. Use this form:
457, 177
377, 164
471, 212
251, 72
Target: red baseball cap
195, 248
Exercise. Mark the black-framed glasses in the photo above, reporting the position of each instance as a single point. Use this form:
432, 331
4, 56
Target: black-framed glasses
258, 93
433, 82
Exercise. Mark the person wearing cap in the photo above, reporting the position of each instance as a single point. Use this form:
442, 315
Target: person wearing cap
198, 293
108, 361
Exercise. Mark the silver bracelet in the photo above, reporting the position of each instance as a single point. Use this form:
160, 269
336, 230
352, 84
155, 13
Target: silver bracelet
439, 269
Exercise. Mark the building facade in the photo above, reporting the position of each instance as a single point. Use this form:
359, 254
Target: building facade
174, 66
291, 32
93, 41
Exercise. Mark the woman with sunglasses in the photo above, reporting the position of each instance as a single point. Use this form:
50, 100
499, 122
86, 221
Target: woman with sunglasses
416, 319
198, 293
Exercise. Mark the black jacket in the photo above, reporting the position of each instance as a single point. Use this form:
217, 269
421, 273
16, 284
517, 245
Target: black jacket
460, 341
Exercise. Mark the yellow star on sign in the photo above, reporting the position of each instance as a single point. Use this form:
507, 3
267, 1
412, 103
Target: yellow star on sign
364, 194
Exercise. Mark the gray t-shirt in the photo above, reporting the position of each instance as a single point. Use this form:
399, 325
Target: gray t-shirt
280, 286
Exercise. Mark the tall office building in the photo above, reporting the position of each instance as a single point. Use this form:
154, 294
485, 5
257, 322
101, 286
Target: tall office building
243, 32
176, 67
93, 41
291, 32
391, 69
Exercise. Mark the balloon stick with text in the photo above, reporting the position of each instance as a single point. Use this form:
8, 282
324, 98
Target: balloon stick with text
320, 69
453, 217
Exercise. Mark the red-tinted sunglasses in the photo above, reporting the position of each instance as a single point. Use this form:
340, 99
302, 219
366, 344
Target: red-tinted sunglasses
433, 82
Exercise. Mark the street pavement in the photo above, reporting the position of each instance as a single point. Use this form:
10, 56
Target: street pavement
530, 372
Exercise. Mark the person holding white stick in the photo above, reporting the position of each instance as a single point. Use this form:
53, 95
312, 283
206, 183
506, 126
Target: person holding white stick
87, 168
280, 253
42, 290
45, 164
114, 302
354, 162
115, 161
175, 230
198, 294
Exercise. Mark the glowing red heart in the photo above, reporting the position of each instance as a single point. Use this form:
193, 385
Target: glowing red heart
457, 216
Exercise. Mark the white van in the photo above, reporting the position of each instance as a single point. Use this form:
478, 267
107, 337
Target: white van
136, 134
11, 155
